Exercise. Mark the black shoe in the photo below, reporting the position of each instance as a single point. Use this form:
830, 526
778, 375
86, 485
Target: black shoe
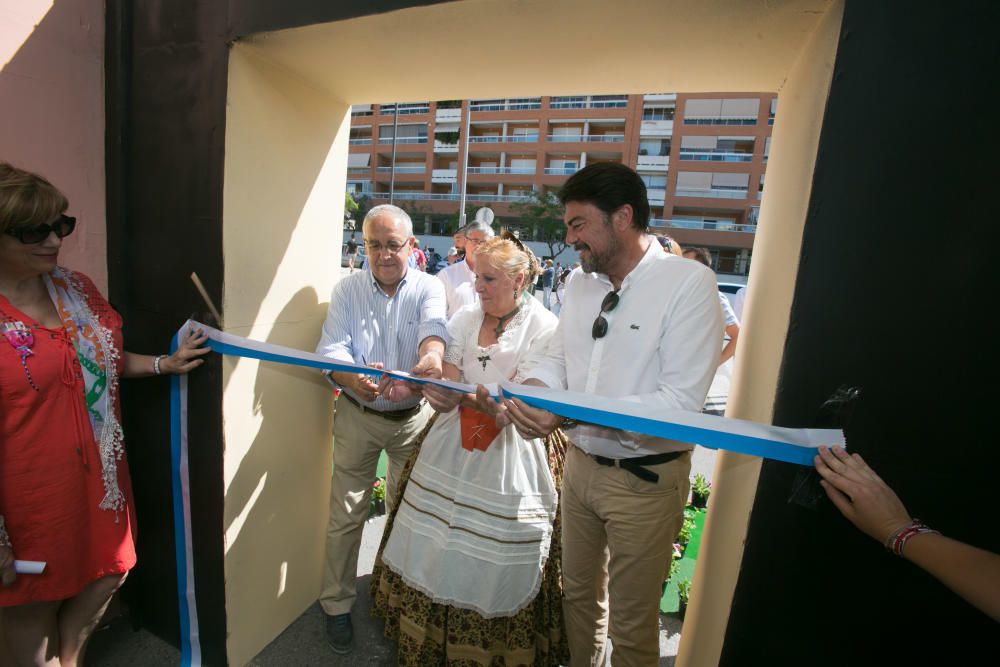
340, 633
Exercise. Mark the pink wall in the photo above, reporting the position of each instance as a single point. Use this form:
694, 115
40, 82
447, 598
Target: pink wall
52, 111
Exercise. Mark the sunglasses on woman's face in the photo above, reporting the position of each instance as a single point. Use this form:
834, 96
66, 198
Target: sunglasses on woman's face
62, 227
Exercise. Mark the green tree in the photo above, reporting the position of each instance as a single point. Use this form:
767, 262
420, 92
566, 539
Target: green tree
542, 215
350, 207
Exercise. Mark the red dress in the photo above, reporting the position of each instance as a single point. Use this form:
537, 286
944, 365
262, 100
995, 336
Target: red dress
50, 466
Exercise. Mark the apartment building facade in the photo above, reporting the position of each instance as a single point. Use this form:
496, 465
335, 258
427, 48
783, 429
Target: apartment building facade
702, 156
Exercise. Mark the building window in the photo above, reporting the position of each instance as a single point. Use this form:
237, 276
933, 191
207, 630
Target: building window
721, 112
658, 113
654, 147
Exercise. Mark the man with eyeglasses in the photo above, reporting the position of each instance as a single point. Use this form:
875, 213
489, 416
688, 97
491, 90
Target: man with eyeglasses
391, 316
460, 278
637, 324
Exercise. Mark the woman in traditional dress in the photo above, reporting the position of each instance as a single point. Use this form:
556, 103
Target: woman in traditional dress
65, 496
469, 568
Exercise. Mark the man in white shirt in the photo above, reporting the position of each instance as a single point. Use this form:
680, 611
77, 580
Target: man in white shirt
641, 325
460, 278
391, 316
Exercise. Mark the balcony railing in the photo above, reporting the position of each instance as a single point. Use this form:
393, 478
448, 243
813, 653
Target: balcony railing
506, 106
504, 139
708, 155
502, 170
583, 103
451, 196
405, 169
710, 225
403, 140
719, 121
714, 193
560, 171
361, 142
592, 138
405, 110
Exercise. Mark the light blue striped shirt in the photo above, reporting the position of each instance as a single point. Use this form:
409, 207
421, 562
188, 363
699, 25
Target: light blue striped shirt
364, 325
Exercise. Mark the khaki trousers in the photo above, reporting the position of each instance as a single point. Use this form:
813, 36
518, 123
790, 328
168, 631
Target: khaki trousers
617, 540
358, 439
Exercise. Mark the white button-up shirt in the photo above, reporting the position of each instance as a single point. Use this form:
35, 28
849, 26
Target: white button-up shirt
365, 325
459, 286
661, 349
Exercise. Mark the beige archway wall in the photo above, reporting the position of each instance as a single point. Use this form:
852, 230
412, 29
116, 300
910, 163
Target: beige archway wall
286, 155
802, 101
285, 167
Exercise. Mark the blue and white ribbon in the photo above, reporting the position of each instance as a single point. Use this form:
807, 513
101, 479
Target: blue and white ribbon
180, 478
773, 442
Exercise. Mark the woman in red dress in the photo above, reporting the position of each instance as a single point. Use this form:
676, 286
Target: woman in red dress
65, 495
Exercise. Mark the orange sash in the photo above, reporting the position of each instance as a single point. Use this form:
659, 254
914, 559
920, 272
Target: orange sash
478, 429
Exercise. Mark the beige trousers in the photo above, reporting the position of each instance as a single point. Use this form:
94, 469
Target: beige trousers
358, 439
617, 540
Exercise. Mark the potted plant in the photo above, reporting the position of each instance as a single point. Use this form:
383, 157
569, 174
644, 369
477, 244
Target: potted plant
687, 529
683, 592
700, 490
674, 567
377, 507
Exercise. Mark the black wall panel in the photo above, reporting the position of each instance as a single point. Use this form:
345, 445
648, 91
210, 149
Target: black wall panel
895, 288
166, 75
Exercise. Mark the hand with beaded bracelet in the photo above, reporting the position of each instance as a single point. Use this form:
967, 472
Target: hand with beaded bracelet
868, 502
184, 360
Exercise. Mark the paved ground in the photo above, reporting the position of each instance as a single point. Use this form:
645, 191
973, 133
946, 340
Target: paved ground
303, 643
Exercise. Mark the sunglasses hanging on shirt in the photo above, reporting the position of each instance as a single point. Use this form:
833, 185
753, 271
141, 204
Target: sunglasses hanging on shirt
600, 328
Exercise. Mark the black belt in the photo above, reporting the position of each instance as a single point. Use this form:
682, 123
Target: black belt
634, 466
392, 415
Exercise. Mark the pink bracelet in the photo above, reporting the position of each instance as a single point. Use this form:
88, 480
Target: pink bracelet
897, 541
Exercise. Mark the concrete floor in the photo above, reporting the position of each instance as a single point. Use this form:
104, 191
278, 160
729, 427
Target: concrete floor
304, 644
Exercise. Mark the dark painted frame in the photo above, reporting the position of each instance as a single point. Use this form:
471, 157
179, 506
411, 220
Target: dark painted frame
166, 73
891, 296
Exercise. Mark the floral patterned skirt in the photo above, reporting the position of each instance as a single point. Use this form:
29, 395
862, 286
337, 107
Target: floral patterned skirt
431, 634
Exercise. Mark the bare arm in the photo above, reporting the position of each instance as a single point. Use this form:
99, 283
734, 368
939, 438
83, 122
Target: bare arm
184, 360
868, 502
733, 331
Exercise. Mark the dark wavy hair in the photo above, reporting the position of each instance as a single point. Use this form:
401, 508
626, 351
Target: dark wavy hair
609, 186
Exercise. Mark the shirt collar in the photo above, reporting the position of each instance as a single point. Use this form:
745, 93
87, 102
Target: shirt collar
378, 288
649, 257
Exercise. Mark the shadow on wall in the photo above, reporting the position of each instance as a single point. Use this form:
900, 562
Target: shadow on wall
276, 525
52, 116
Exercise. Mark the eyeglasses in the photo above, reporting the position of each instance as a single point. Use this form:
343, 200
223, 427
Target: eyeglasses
600, 328
376, 248
63, 227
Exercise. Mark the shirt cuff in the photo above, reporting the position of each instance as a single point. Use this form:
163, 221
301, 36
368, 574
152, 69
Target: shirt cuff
551, 379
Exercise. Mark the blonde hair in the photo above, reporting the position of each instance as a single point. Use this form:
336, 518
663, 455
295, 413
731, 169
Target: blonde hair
506, 253
27, 199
